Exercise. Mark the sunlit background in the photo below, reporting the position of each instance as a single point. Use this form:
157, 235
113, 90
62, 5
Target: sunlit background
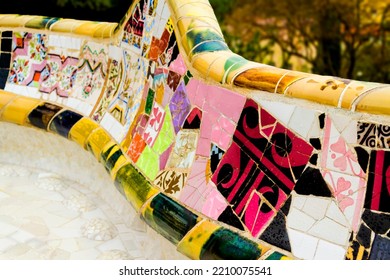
344, 38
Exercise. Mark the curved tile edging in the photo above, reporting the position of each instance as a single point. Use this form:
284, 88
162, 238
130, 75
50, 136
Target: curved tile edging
207, 55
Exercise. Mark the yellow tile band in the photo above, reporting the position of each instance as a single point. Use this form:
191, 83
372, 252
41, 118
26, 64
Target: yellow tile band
96, 141
113, 158
191, 245
81, 130
14, 20
375, 102
5, 98
321, 89
18, 109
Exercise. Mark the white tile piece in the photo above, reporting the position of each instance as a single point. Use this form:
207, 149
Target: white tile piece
302, 245
113, 244
22, 236
65, 42
346, 127
298, 201
23, 90
281, 111
7, 229
299, 220
302, 120
331, 231
334, 213
112, 125
69, 245
316, 207
329, 251
115, 52
6, 243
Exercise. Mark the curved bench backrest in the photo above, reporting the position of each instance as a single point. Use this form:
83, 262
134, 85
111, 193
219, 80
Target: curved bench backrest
209, 147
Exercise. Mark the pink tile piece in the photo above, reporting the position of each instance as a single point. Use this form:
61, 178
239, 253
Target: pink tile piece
203, 148
215, 203
195, 192
178, 66
154, 124
232, 104
337, 155
227, 125
164, 157
254, 218
192, 89
349, 192
168, 92
224, 141
201, 95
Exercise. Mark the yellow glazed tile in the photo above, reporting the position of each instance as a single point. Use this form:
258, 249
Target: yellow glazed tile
376, 101
89, 28
17, 110
191, 245
35, 22
113, 158
267, 78
14, 20
185, 23
321, 89
96, 141
210, 64
64, 25
5, 98
353, 92
105, 30
81, 130
195, 9
134, 186
175, 6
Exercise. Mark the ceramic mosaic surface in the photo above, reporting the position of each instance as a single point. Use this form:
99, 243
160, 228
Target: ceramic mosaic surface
218, 154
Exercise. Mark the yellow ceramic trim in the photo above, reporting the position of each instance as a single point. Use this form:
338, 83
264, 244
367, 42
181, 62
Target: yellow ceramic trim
375, 102
18, 110
121, 161
81, 130
96, 141
192, 243
129, 190
14, 20
5, 98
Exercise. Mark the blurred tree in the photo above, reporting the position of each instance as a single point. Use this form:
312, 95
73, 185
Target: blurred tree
91, 4
347, 38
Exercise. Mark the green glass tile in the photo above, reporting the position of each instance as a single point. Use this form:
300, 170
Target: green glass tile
149, 102
134, 186
109, 159
187, 77
41, 22
225, 244
169, 218
275, 256
205, 40
148, 162
166, 135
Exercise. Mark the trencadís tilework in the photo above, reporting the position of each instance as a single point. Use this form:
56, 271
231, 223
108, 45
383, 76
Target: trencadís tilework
208, 147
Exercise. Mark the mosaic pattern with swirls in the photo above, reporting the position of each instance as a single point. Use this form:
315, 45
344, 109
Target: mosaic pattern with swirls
220, 171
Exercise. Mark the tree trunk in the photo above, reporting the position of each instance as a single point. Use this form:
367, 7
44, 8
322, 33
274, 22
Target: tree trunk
328, 60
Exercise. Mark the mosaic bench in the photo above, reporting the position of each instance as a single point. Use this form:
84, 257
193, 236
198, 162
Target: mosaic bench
224, 157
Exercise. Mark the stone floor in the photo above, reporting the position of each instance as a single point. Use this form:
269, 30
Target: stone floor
44, 216
58, 202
